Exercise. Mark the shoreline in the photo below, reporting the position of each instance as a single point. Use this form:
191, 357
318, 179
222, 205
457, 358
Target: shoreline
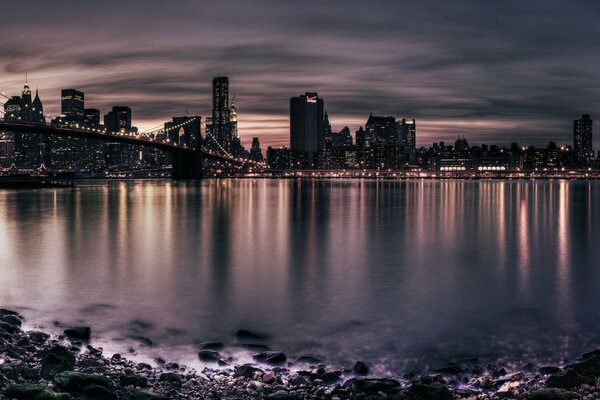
39, 365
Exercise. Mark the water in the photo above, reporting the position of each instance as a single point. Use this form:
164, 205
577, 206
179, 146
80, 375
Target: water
401, 274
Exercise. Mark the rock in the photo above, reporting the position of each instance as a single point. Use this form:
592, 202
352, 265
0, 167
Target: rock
144, 340
4, 334
256, 347
552, 394
10, 328
133, 380
27, 391
588, 367
376, 385
298, 380
212, 346
434, 391
281, 395
75, 382
142, 394
57, 359
270, 357
360, 368
245, 334
329, 378
548, 370
508, 387
451, 370
309, 360
568, 380
79, 333
30, 374
4, 312
247, 371
268, 378
12, 319
38, 337
172, 378
590, 354
96, 392
144, 365
209, 356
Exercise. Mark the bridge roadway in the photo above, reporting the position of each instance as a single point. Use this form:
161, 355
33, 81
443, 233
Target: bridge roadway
187, 162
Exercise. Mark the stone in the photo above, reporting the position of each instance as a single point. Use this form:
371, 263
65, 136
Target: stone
549, 370
360, 368
568, 379
4, 312
212, 346
171, 377
76, 382
143, 394
28, 391
10, 328
209, 356
434, 391
12, 319
588, 367
309, 360
281, 395
376, 385
552, 394
247, 371
57, 359
329, 378
246, 334
133, 380
268, 377
97, 392
270, 357
79, 333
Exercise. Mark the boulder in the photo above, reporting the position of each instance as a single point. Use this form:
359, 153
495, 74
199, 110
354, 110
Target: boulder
553, 394
360, 368
247, 371
57, 359
97, 392
133, 380
172, 378
12, 319
246, 334
434, 391
376, 385
76, 382
212, 346
79, 333
270, 357
142, 394
209, 356
568, 379
27, 391
590, 366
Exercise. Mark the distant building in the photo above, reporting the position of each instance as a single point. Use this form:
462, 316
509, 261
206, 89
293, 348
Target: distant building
91, 116
582, 141
72, 104
279, 158
408, 134
307, 133
117, 120
255, 151
219, 126
381, 130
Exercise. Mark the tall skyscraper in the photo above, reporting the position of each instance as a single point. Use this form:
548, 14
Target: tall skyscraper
117, 120
381, 130
307, 132
220, 129
72, 104
582, 140
255, 151
408, 133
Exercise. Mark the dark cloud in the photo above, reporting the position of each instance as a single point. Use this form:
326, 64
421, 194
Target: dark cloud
494, 71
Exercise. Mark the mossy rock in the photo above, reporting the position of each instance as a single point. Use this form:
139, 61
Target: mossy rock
75, 382
28, 391
143, 394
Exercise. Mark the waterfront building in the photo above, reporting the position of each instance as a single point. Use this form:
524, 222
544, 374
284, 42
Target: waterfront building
307, 134
408, 134
255, 151
582, 141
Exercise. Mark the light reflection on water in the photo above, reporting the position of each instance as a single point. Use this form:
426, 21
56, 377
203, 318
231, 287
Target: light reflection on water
397, 273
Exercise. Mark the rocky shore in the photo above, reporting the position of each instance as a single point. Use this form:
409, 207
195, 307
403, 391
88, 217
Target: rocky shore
36, 365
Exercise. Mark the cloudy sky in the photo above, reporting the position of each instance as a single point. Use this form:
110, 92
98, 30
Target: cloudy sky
495, 71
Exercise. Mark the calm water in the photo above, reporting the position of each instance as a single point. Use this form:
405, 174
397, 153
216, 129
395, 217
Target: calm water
399, 274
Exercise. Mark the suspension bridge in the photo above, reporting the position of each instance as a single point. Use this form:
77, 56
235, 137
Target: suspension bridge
187, 162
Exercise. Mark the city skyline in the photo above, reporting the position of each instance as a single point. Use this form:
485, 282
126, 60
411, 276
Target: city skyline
514, 80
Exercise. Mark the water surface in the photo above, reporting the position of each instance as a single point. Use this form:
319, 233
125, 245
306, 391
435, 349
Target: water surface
401, 274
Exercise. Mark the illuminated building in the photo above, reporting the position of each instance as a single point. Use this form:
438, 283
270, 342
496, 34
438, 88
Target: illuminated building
582, 141
307, 125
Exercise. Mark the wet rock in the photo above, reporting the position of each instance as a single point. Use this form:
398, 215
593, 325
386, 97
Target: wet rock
549, 370
329, 378
256, 347
142, 394
281, 395
172, 378
10, 328
4, 334
27, 391
568, 380
28, 373
376, 385
246, 334
76, 382
590, 354
79, 333
57, 359
12, 319
298, 380
133, 380
434, 391
209, 356
268, 377
97, 392
212, 346
360, 368
247, 371
144, 340
144, 365
309, 360
552, 394
4, 312
588, 367
270, 357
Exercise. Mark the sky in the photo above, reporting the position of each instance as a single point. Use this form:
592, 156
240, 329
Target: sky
494, 71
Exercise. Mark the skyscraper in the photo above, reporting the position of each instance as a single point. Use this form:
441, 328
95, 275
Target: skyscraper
72, 104
255, 151
117, 120
221, 123
582, 140
306, 125
408, 134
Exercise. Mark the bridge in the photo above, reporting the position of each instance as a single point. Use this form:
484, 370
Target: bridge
187, 162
